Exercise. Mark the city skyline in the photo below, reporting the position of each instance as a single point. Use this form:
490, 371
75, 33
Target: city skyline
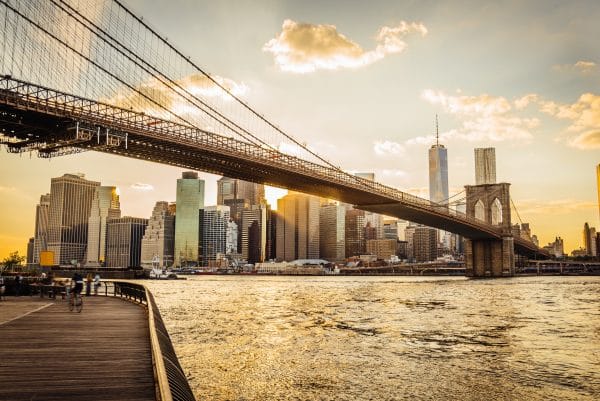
539, 113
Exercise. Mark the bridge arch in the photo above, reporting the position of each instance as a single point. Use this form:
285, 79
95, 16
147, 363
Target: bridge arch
496, 212
479, 210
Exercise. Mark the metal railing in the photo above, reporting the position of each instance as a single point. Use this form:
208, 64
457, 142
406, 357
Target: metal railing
171, 382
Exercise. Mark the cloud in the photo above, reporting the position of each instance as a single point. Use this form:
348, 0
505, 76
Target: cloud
585, 66
584, 114
305, 48
484, 118
581, 66
139, 186
387, 148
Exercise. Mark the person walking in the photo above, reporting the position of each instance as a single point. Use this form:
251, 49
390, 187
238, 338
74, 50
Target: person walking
88, 285
96, 283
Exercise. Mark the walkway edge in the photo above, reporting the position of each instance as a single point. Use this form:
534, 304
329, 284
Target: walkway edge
163, 389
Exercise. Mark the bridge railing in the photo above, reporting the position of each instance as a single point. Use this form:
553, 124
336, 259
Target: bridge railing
172, 385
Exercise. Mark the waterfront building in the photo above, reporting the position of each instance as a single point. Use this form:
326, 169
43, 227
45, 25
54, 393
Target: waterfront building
424, 244
254, 233
332, 234
29, 257
231, 238
215, 225
105, 205
589, 239
382, 248
390, 229
68, 216
124, 241
485, 166
158, 242
556, 248
355, 232
239, 195
189, 201
40, 238
297, 227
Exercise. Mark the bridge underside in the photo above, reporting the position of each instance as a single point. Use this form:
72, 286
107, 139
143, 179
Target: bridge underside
31, 127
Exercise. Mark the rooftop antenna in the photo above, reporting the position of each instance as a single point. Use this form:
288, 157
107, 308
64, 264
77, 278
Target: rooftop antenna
437, 132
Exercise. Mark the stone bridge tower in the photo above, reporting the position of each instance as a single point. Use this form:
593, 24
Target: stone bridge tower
490, 203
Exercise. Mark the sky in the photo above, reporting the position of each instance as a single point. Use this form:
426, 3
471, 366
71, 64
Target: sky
361, 83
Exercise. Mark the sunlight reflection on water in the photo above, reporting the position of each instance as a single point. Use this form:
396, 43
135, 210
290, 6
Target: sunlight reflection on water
385, 338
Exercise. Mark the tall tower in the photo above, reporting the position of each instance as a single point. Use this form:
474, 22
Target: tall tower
189, 201
124, 241
332, 236
485, 166
297, 227
68, 216
40, 239
105, 205
158, 241
214, 231
438, 170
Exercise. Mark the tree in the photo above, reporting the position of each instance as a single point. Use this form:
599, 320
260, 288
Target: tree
13, 260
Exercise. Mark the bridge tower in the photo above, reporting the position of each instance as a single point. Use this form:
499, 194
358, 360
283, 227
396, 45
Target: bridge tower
484, 257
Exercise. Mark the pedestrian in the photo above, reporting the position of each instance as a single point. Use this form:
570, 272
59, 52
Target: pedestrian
2, 289
96, 283
88, 285
18, 285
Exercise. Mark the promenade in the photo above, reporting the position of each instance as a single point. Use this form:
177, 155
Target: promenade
50, 353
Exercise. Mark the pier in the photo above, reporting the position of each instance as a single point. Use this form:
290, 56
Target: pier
116, 349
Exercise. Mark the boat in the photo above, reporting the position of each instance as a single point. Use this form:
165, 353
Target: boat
160, 274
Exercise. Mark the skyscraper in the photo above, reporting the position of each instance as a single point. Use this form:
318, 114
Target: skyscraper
233, 188
40, 239
355, 232
239, 195
297, 227
485, 166
105, 205
159, 239
124, 241
68, 216
254, 236
424, 244
332, 235
189, 201
215, 223
438, 171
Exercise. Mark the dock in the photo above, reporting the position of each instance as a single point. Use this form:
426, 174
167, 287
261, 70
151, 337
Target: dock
112, 350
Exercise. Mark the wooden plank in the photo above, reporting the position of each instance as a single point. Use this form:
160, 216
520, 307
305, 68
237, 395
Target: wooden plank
102, 353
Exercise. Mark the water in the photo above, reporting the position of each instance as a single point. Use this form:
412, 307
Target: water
385, 338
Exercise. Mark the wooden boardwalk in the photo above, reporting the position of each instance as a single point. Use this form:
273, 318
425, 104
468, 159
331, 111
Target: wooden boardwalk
102, 353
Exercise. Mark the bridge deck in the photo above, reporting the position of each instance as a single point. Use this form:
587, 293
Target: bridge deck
102, 353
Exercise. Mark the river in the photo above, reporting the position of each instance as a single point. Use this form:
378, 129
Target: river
386, 337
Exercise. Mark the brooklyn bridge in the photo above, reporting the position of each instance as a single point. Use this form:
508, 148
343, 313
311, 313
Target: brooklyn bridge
93, 76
